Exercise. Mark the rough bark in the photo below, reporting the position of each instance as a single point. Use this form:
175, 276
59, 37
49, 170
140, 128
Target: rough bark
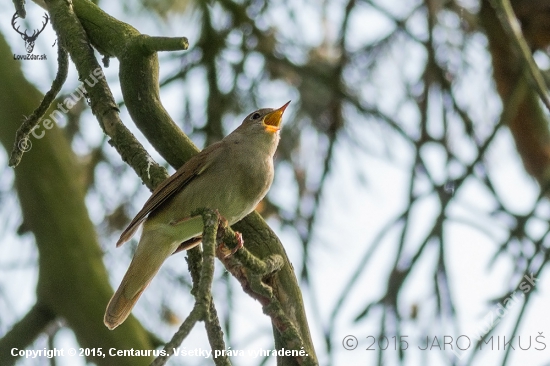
139, 84
73, 283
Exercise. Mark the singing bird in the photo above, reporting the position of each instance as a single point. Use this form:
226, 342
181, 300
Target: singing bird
232, 175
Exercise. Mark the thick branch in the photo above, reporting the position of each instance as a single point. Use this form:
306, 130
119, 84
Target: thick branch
139, 83
72, 280
74, 38
255, 277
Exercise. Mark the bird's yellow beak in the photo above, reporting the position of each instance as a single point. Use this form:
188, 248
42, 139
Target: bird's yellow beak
272, 120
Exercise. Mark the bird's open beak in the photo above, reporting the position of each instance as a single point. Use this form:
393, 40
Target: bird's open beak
272, 121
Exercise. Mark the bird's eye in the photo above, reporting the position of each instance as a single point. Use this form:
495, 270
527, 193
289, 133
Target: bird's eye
256, 115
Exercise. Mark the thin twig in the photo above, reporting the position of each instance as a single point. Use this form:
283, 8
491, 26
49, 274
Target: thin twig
254, 277
203, 295
75, 39
22, 143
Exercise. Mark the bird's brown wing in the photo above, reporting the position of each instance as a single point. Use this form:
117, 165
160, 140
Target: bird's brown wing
168, 188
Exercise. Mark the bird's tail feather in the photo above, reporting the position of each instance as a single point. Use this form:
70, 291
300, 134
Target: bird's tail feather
145, 265
120, 307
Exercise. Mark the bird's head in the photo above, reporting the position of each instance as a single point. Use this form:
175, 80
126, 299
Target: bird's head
264, 120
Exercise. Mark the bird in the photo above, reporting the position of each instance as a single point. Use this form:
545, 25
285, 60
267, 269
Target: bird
232, 176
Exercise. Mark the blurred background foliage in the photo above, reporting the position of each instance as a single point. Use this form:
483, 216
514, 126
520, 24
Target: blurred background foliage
398, 164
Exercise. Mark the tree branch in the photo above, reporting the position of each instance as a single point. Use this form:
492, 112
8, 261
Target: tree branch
527, 122
512, 26
139, 84
22, 142
25, 331
74, 38
202, 290
256, 278
72, 280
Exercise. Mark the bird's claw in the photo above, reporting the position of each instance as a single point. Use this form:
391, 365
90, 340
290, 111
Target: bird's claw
224, 249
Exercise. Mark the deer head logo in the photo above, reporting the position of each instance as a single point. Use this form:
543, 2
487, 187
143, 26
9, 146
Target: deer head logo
29, 39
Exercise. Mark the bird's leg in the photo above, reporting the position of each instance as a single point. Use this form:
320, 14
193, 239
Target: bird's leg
222, 249
240, 242
248, 269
